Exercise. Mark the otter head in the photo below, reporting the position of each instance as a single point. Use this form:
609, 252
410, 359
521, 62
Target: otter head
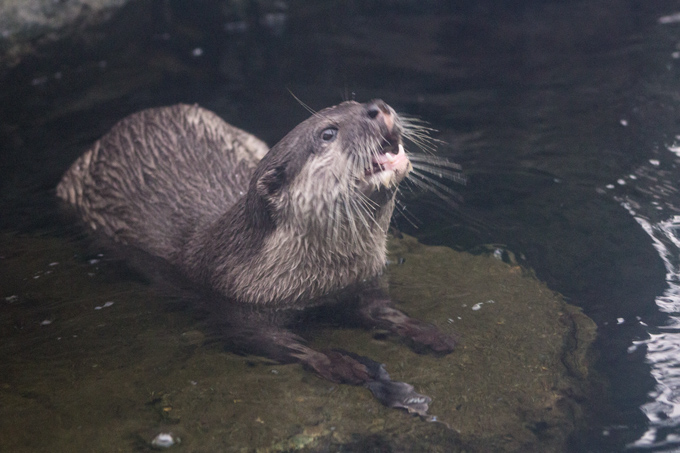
318, 207
338, 169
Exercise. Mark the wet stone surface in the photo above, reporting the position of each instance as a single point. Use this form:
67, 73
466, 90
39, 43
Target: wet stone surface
117, 377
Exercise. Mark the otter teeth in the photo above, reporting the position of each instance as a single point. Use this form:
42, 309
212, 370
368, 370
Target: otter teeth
392, 157
385, 161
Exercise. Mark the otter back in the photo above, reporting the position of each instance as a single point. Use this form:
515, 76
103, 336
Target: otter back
157, 173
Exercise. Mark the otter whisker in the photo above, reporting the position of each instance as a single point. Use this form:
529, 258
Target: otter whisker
311, 110
372, 205
362, 212
368, 207
401, 208
336, 221
360, 163
425, 143
445, 193
434, 160
332, 224
427, 179
354, 232
412, 128
365, 161
360, 202
413, 122
422, 135
410, 185
421, 138
440, 172
328, 225
303, 104
373, 149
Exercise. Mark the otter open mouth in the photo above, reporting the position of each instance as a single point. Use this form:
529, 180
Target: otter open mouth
391, 158
387, 169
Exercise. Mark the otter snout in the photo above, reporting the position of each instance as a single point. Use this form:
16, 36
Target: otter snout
380, 111
389, 163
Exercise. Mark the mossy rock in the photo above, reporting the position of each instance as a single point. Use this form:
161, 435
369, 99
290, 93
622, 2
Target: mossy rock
111, 379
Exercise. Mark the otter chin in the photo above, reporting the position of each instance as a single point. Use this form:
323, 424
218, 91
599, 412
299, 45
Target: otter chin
387, 170
298, 225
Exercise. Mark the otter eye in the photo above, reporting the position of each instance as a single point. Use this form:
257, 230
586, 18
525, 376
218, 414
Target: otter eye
329, 134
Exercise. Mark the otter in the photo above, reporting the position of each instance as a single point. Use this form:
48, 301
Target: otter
277, 231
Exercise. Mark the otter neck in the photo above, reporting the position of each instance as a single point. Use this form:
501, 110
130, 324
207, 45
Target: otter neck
285, 263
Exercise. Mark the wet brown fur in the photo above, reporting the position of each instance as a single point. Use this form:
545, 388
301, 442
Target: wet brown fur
180, 183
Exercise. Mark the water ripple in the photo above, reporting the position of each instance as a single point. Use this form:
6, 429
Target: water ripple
657, 181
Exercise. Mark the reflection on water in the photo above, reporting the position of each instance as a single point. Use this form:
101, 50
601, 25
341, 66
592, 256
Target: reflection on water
653, 205
663, 411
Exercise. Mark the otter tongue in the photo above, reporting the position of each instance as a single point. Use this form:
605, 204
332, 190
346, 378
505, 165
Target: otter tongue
383, 161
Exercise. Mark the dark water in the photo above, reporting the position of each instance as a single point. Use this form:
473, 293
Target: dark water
565, 116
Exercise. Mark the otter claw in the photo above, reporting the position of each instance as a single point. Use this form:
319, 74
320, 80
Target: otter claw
391, 393
399, 395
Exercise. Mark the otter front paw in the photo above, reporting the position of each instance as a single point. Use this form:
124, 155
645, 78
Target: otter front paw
345, 369
421, 333
430, 336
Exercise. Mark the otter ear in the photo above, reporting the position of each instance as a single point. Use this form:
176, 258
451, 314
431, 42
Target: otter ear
270, 183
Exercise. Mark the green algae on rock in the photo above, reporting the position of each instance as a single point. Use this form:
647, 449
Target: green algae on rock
507, 386
106, 380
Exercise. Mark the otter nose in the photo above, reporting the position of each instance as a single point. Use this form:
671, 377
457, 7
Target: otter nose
378, 109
